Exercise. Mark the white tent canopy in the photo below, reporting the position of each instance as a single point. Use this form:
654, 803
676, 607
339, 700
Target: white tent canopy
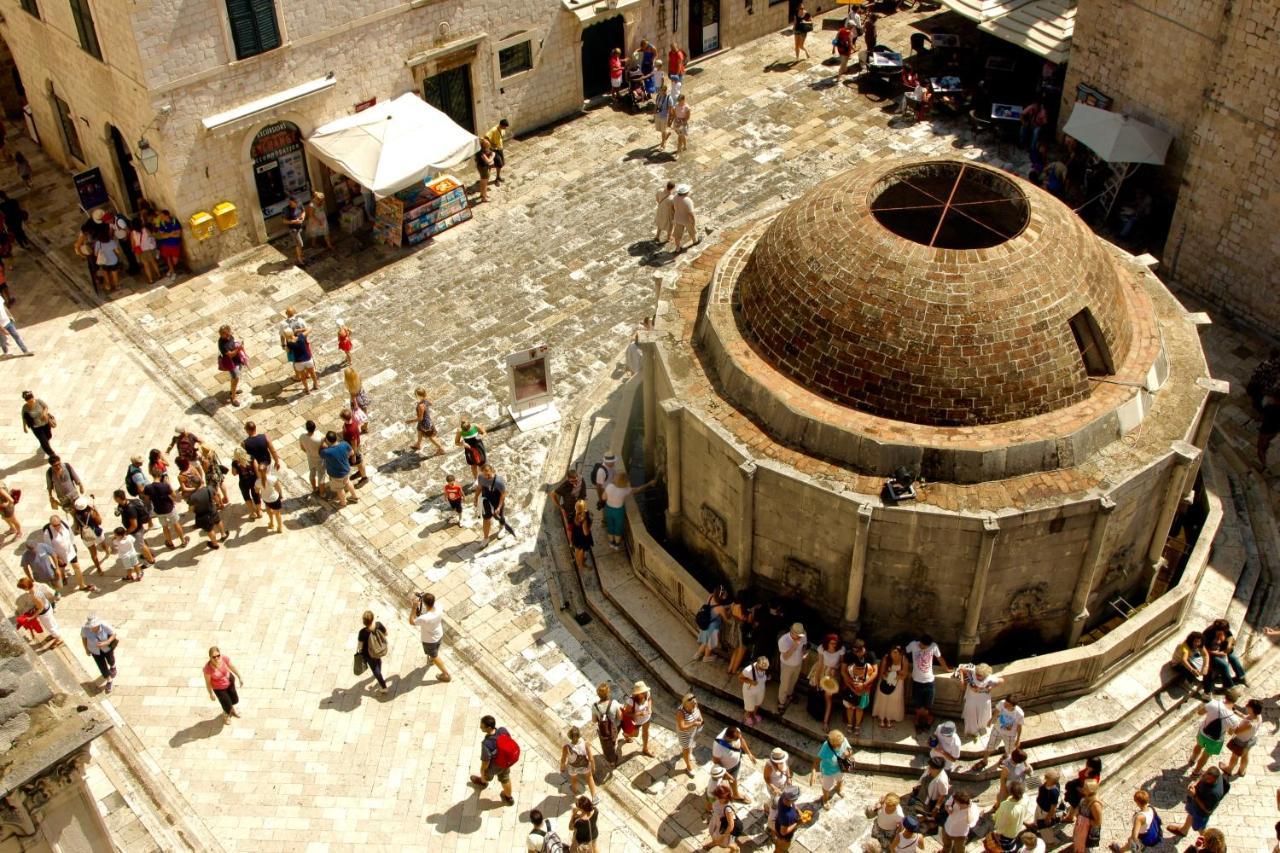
390, 146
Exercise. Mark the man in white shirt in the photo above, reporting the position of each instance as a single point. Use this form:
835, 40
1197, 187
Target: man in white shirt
924, 651
791, 648
1007, 731
311, 442
935, 785
1219, 719
542, 836
430, 624
962, 816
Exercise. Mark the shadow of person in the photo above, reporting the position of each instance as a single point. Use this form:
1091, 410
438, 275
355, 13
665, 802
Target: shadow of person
464, 816
346, 701
37, 461
554, 805
675, 826
198, 731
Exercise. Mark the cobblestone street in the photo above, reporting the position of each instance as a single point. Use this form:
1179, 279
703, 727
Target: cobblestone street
562, 256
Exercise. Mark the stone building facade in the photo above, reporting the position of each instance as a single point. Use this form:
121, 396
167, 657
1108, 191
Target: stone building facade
224, 90
1202, 70
1051, 392
45, 738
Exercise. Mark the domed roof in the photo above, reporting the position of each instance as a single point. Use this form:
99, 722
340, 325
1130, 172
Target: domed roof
941, 292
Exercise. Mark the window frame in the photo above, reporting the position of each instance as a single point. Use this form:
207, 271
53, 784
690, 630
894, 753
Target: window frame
527, 44
67, 127
86, 29
255, 19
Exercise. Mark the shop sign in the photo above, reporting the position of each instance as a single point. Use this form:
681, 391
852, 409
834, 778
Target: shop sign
91, 189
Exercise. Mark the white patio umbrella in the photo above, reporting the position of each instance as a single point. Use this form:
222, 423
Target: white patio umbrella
1120, 141
1117, 138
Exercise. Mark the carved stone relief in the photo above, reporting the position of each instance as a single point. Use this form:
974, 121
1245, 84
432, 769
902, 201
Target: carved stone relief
713, 526
1029, 602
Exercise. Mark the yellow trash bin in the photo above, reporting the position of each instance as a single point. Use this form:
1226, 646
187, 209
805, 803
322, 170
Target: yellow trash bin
201, 224
225, 215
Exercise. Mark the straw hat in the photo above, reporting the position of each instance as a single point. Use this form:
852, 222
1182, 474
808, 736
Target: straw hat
778, 756
638, 688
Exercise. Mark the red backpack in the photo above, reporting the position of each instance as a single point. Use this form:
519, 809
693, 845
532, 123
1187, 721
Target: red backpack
506, 752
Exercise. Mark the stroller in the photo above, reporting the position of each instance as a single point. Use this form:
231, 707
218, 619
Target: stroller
637, 93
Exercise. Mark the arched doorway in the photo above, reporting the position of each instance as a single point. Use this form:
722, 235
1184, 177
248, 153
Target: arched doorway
124, 166
279, 168
598, 40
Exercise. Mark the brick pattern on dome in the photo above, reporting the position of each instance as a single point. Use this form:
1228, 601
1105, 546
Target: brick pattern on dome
943, 337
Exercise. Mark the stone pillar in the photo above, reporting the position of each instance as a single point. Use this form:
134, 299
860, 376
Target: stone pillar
1218, 391
650, 392
672, 411
1090, 570
858, 567
1185, 455
746, 523
977, 592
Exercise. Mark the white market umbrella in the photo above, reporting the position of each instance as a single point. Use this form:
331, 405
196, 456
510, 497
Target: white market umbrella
390, 146
1123, 142
1117, 138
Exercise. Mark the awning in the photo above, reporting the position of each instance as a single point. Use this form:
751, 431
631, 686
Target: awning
983, 10
588, 10
1043, 27
270, 102
390, 146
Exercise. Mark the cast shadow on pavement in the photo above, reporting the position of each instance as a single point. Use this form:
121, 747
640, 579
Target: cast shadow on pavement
36, 461
347, 700
782, 65
464, 818
198, 731
684, 822
555, 805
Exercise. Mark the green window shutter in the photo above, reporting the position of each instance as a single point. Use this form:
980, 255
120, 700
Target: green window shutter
253, 26
85, 29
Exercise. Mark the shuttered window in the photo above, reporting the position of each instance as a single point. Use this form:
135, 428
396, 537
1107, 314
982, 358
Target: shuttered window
85, 29
68, 123
253, 26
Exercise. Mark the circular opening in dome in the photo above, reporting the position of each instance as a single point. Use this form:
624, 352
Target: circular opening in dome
950, 205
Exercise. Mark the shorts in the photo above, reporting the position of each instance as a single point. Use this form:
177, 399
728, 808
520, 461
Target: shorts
579, 771
615, 520
298, 236
426, 431
129, 561
829, 782
169, 519
922, 694
93, 540
432, 650
339, 483
503, 774
1240, 747
109, 267
1199, 820
487, 508
234, 371
857, 700
456, 506
1208, 744
171, 252
275, 505
498, 159
303, 366
316, 471
140, 538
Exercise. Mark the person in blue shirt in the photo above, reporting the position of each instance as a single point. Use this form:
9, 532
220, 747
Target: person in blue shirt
338, 457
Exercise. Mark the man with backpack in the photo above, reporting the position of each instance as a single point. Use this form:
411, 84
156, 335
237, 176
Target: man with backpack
607, 715
134, 518
498, 754
542, 838
602, 475
135, 478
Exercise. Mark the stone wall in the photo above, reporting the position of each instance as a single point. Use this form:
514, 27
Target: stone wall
765, 525
1203, 70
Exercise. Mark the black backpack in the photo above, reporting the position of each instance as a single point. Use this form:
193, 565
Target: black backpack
596, 469
703, 617
140, 509
129, 485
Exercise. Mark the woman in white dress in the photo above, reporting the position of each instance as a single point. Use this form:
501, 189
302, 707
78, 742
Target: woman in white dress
978, 683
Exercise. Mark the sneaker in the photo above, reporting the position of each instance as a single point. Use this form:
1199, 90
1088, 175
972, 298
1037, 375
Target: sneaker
445, 677
511, 801
106, 688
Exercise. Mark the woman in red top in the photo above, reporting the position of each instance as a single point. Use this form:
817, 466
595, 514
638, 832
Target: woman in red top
615, 73
351, 435
220, 676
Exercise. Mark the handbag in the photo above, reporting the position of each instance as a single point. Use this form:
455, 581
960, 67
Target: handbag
359, 664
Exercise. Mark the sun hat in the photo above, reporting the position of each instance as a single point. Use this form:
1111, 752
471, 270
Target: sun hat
82, 502
638, 688
778, 756
683, 189
797, 628
717, 771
